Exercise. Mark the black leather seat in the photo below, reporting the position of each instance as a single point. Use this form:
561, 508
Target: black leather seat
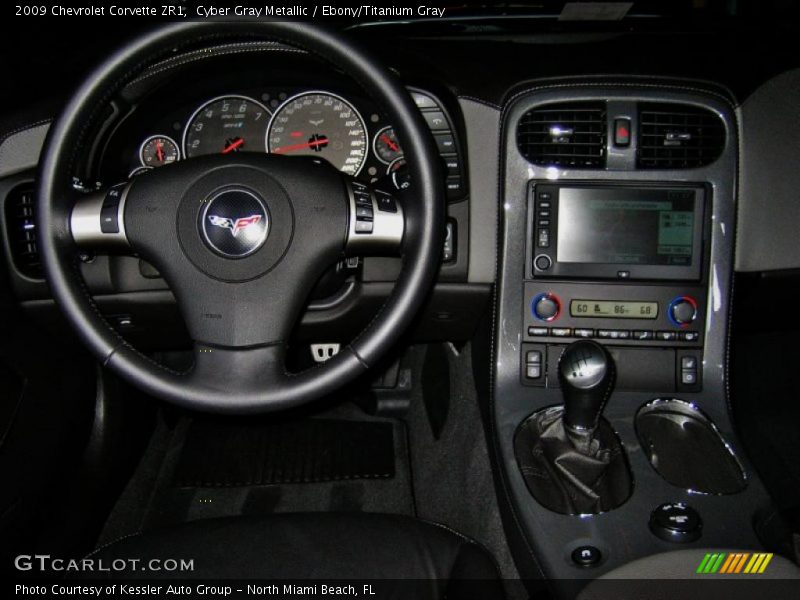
432, 560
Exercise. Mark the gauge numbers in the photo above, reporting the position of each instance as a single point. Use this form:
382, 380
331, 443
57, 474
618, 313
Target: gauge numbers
158, 150
226, 125
320, 124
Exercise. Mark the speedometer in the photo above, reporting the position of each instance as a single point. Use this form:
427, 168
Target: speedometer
225, 125
320, 124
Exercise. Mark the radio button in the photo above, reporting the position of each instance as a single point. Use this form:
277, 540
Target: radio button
584, 333
623, 274
689, 336
538, 331
544, 238
544, 214
667, 336
544, 196
643, 335
561, 331
543, 262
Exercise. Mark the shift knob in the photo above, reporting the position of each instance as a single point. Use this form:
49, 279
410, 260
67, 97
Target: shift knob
586, 372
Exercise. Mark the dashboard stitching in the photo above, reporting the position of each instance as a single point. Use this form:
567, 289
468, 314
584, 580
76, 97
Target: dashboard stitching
610, 84
168, 65
24, 128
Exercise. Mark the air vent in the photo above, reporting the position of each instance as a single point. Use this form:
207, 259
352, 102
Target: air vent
22, 230
678, 136
564, 135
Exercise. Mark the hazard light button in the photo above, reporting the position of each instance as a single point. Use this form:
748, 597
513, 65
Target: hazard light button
622, 132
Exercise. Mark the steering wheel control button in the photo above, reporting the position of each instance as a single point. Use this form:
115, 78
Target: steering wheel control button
364, 212
546, 307
586, 556
385, 202
542, 262
363, 226
234, 222
109, 213
676, 522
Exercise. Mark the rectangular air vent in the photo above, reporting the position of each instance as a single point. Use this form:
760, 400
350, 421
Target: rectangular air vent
564, 135
21, 226
678, 136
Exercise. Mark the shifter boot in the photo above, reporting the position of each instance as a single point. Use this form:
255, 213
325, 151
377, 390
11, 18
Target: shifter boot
569, 474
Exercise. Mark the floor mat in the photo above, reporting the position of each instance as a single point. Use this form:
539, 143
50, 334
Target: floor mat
310, 451
215, 467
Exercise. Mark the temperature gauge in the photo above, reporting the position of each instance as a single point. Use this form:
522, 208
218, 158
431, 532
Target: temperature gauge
386, 146
158, 150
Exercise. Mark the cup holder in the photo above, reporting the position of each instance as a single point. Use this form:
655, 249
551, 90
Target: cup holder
685, 448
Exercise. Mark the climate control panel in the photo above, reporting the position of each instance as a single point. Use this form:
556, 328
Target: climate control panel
646, 315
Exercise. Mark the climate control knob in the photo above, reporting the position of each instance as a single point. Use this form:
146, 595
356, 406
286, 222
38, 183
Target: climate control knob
546, 307
682, 311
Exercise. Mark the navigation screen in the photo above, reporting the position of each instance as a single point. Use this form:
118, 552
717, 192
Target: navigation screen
620, 226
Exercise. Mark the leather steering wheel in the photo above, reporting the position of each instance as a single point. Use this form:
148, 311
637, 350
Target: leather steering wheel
240, 241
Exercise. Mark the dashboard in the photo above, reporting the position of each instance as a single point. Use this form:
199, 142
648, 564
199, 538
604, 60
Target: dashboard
274, 111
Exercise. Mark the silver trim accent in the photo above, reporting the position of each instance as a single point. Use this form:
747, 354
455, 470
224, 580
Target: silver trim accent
152, 137
84, 221
326, 93
324, 352
184, 154
691, 407
387, 228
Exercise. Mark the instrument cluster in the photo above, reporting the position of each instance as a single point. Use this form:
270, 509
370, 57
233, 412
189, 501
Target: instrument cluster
346, 132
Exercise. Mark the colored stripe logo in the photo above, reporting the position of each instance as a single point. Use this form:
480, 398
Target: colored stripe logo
735, 563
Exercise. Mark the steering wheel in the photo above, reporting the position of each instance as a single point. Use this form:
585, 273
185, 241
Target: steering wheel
240, 240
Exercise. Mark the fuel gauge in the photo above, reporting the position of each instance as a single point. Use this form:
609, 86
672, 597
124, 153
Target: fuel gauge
158, 150
386, 146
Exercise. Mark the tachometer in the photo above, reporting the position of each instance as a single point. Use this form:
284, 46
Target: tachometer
320, 124
224, 125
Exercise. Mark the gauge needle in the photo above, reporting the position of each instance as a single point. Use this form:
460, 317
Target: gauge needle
160, 151
311, 144
392, 146
233, 145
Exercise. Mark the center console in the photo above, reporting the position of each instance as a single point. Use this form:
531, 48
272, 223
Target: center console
616, 249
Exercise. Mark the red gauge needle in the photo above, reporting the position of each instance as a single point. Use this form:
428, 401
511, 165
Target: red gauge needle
293, 147
233, 145
160, 151
392, 146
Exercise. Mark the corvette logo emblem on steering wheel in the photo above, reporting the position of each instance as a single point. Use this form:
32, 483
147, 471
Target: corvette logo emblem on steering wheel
235, 226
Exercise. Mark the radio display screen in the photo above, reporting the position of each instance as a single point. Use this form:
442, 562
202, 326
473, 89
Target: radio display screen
639, 226
613, 309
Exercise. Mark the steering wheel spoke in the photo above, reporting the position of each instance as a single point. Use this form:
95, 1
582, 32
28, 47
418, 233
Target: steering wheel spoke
97, 219
376, 221
224, 370
241, 240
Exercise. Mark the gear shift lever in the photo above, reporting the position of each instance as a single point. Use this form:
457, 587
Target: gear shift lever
587, 373
572, 461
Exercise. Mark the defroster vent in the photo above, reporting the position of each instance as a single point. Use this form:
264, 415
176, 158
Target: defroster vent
564, 135
19, 207
678, 136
